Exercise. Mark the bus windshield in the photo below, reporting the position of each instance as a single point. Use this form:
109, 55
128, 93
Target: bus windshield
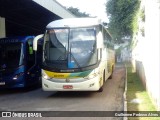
70, 47
11, 55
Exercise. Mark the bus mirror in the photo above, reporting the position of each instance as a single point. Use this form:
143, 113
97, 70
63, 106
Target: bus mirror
35, 41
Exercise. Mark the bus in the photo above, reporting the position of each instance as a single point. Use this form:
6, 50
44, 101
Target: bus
19, 65
78, 55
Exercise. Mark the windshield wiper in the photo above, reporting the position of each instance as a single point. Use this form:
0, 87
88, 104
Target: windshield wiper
61, 57
75, 59
64, 55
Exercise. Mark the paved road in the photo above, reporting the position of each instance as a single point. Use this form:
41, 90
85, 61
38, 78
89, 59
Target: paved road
111, 99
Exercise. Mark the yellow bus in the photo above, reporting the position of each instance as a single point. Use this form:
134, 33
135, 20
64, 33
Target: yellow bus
78, 55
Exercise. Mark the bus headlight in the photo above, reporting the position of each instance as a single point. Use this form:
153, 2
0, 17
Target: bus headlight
91, 76
45, 76
18, 75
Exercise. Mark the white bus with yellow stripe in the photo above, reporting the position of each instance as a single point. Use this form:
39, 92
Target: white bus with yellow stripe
78, 55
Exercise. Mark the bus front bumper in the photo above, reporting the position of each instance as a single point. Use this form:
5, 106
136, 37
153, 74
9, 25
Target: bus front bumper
87, 85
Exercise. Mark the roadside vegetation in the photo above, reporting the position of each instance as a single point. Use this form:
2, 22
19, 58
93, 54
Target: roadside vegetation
123, 17
77, 13
137, 97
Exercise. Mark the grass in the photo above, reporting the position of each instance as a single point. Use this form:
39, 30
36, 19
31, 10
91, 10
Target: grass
136, 91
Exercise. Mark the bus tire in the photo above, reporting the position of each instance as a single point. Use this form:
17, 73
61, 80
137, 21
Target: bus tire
110, 77
101, 88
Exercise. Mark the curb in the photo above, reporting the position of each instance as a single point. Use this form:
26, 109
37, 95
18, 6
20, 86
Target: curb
124, 94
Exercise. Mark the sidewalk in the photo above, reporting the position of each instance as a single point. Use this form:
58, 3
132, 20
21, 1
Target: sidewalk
137, 97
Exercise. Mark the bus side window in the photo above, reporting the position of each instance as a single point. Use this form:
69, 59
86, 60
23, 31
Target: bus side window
39, 53
30, 55
108, 42
105, 38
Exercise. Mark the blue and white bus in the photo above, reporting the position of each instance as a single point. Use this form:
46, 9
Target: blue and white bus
19, 65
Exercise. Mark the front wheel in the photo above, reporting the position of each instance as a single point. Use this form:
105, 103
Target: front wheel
110, 77
101, 88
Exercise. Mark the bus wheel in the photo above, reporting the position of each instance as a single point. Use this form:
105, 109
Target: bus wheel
110, 77
101, 88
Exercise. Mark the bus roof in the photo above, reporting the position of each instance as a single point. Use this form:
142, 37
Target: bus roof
74, 22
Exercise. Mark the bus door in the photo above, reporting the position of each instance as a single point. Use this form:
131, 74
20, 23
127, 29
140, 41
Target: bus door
32, 77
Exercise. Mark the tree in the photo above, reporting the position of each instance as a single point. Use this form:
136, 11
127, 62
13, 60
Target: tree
122, 16
77, 13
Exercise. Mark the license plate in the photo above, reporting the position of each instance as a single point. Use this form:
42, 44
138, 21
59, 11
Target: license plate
67, 87
2, 83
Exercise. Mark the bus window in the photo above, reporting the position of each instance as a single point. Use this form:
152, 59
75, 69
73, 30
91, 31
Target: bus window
107, 39
30, 55
11, 55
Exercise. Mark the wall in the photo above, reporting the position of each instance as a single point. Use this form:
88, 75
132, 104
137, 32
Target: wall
152, 65
147, 52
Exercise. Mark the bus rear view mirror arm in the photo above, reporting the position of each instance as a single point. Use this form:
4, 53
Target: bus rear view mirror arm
35, 41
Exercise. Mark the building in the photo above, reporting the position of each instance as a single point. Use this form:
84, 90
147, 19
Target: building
29, 17
146, 54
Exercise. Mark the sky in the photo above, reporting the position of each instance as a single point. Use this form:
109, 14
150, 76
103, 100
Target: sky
92, 7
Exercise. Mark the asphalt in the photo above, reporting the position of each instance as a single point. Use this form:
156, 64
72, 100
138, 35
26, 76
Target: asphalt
35, 99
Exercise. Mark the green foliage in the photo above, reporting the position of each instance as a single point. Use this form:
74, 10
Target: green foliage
123, 17
133, 43
118, 51
142, 31
77, 13
142, 14
136, 90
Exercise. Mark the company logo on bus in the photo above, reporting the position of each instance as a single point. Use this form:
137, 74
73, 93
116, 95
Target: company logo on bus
67, 80
3, 41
